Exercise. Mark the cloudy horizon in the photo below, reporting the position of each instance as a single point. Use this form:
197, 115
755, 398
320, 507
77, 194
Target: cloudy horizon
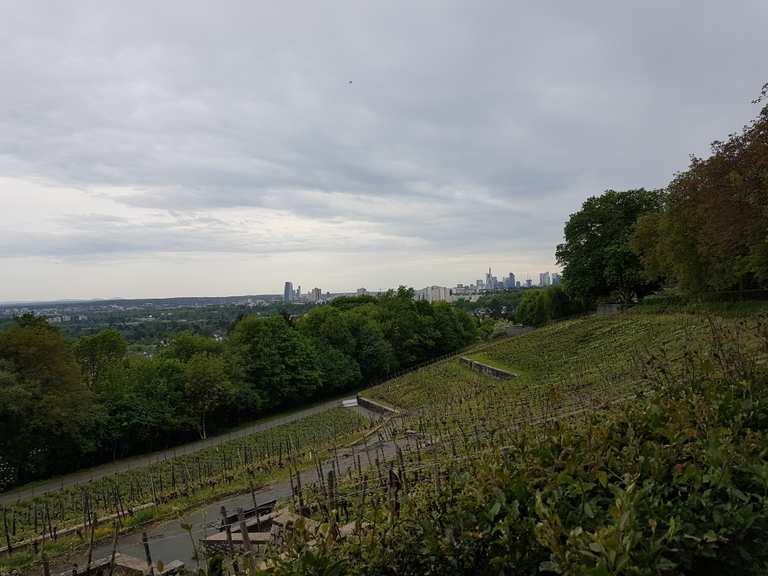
201, 149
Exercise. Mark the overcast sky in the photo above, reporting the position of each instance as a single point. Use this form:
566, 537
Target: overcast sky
214, 148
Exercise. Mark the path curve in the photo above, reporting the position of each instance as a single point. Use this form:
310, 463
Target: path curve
169, 541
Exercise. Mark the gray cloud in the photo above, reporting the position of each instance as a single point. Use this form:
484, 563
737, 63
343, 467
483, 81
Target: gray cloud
453, 127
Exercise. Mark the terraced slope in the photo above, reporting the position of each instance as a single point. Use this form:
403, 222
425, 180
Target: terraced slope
565, 367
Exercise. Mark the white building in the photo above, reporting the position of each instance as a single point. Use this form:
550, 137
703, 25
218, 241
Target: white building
433, 294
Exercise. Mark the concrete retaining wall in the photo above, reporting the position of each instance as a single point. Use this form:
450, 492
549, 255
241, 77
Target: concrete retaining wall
374, 406
518, 330
487, 370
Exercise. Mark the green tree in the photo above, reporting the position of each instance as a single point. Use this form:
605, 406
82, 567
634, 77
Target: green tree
206, 386
596, 256
47, 414
274, 363
541, 306
711, 235
95, 353
187, 344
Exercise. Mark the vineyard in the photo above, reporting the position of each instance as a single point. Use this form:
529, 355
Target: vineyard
633, 444
64, 518
580, 361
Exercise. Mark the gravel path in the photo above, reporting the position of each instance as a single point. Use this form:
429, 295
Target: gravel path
168, 541
88, 474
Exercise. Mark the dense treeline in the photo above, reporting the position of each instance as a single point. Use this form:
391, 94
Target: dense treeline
537, 307
529, 306
712, 231
706, 232
64, 405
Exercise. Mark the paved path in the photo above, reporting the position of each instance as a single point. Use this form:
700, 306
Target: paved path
168, 541
88, 474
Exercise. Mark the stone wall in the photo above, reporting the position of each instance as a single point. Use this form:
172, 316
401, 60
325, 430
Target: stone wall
373, 406
517, 330
487, 370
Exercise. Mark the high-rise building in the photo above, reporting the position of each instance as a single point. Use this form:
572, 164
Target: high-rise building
528, 283
509, 281
544, 279
316, 295
433, 294
288, 292
556, 278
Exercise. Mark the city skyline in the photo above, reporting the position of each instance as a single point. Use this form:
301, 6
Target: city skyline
432, 292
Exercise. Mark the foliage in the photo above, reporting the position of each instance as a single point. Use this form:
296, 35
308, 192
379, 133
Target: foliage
99, 403
46, 411
273, 361
96, 353
596, 256
670, 480
497, 305
188, 344
206, 386
538, 307
711, 234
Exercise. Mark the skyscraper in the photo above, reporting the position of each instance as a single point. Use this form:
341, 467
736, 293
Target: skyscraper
288, 292
544, 279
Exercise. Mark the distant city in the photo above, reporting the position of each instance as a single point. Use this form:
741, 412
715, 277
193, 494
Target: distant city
152, 310
470, 291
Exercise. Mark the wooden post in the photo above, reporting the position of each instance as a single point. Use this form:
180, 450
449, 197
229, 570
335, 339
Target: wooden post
7, 531
298, 488
90, 545
147, 555
331, 490
228, 529
152, 486
46, 566
114, 549
247, 543
253, 490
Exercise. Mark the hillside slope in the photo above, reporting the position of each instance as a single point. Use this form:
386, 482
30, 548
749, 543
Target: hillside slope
633, 444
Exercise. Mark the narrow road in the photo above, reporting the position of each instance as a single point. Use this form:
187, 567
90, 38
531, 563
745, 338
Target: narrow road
168, 541
88, 474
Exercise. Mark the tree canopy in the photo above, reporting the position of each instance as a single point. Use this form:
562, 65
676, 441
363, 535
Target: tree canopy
712, 233
597, 258
65, 405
